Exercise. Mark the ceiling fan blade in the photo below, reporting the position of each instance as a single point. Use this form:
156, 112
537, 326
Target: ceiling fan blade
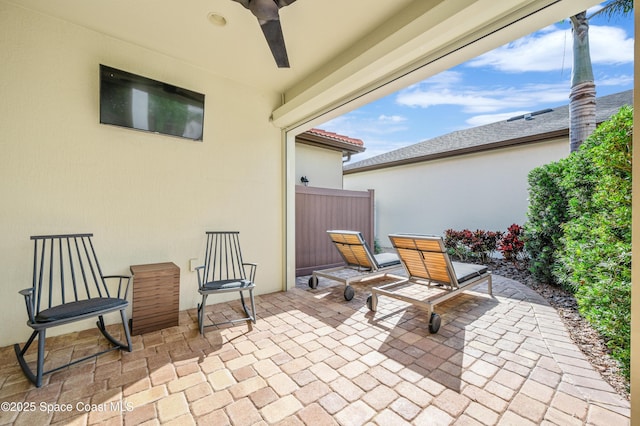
279, 3
245, 3
273, 33
267, 12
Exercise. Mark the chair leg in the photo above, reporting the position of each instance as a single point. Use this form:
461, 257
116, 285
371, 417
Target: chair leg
253, 307
23, 363
125, 326
201, 309
117, 344
250, 315
40, 371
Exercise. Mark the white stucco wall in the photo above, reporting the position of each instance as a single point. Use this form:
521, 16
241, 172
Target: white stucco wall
323, 167
486, 190
147, 198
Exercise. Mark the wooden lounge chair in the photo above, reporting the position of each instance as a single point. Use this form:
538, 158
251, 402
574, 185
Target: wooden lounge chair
357, 256
426, 261
68, 286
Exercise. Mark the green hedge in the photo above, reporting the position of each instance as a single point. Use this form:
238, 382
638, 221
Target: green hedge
578, 232
547, 212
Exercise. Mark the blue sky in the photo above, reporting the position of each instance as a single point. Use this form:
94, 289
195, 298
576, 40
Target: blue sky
527, 75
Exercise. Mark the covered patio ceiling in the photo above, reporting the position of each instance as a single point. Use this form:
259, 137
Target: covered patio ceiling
339, 50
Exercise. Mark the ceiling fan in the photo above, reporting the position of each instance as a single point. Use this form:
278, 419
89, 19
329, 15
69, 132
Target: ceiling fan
267, 12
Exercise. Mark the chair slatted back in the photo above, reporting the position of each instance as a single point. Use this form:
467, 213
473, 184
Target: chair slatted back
223, 257
65, 269
425, 257
353, 249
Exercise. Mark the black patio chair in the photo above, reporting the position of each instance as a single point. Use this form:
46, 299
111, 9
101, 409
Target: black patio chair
224, 271
68, 286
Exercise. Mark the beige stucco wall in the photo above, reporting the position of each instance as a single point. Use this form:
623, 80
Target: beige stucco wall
486, 190
323, 167
147, 198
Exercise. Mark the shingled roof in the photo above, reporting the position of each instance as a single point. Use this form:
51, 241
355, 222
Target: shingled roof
530, 128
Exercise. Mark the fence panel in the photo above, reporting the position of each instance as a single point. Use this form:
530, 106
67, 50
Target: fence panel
321, 209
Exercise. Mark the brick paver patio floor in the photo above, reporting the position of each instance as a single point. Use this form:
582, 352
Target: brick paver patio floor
315, 359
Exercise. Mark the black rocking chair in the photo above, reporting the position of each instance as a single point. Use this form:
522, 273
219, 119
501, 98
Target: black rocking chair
224, 271
68, 286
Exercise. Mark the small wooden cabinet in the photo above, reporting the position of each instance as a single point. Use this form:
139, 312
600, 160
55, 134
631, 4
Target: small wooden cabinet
156, 297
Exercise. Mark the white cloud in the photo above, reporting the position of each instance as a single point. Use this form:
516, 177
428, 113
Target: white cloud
479, 120
551, 50
445, 79
610, 46
471, 101
359, 125
618, 80
542, 51
594, 9
483, 100
391, 118
494, 98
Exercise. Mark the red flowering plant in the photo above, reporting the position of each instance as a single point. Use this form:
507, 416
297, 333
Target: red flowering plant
511, 245
483, 243
454, 241
467, 244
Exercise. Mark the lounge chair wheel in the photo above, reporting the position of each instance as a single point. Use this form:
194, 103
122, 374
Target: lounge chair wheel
313, 282
434, 323
369, 301
349, 292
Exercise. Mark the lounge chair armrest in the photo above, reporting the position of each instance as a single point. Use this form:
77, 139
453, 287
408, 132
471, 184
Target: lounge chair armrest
28, 300
252, 270
123, 284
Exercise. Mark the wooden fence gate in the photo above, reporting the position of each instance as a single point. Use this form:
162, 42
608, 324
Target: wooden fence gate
321, 209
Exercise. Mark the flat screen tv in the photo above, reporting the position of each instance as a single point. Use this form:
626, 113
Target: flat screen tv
137, 102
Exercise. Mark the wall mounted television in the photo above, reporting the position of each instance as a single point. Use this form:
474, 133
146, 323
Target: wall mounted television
136, 102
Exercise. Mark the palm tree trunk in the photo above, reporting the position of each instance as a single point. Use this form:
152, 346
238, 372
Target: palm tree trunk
582, 113
582, 100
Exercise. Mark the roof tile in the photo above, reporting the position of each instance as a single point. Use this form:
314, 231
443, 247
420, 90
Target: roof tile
337, 137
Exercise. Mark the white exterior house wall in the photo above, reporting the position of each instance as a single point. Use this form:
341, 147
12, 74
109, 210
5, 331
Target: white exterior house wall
322, 166
484, 190
147, 198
